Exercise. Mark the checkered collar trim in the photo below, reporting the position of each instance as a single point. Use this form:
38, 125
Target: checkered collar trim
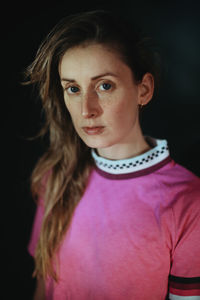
156, 155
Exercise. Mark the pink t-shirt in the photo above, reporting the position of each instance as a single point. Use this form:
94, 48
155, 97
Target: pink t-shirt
135, 233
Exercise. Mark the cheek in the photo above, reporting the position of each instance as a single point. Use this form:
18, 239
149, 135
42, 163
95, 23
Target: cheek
67, 103
123, 110
71, 108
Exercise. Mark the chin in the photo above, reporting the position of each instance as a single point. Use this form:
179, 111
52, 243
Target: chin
96, 142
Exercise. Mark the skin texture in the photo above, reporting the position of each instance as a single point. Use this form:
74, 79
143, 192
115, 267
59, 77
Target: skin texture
110, 101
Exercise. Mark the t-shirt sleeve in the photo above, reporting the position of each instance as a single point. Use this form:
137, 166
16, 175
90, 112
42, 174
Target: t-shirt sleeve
36, 228
184, 279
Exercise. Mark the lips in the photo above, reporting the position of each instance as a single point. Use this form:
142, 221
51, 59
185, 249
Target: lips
94, 129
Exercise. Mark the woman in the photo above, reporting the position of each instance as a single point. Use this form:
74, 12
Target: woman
117, 217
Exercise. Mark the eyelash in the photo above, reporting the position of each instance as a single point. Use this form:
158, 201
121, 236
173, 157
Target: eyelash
70, 86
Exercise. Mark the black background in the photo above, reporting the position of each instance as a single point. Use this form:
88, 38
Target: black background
174, 115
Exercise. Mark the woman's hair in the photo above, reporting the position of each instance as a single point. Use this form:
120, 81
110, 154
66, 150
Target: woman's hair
60, 176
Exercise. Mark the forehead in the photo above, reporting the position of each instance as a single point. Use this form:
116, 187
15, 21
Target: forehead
91, 60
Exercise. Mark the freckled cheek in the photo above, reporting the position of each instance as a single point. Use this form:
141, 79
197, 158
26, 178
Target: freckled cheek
68, 105
74, 112
121, 115
118, 112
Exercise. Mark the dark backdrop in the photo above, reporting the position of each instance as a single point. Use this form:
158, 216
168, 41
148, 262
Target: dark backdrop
174, 115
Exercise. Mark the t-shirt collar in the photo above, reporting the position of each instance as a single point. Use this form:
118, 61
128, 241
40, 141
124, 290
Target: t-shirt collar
154, 156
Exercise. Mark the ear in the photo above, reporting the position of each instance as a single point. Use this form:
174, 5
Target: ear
146, 89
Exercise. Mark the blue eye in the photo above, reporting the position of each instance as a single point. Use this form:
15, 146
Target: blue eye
106, 86
73, 89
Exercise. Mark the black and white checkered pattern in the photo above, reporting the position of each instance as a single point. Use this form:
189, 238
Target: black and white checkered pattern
159, 152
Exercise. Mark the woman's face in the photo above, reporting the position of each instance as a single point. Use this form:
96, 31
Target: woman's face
99, 91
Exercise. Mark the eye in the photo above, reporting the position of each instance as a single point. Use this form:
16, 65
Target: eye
106, 86
72, 89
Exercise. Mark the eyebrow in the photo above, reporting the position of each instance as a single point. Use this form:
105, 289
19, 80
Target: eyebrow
93, 78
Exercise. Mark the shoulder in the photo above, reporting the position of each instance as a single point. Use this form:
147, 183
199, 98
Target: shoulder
178, 181
183, 194
177, 173
179, 191
186, 185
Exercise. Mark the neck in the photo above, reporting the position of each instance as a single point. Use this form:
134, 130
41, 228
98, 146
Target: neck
125, 150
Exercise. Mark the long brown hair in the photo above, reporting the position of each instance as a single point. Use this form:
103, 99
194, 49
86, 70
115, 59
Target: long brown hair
60, 176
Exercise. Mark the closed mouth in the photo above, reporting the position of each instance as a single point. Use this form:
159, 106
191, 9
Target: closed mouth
93, 130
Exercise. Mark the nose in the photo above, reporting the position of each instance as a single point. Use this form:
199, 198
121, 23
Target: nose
90, 107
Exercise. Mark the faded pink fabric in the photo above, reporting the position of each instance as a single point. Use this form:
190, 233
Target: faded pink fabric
128, 235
